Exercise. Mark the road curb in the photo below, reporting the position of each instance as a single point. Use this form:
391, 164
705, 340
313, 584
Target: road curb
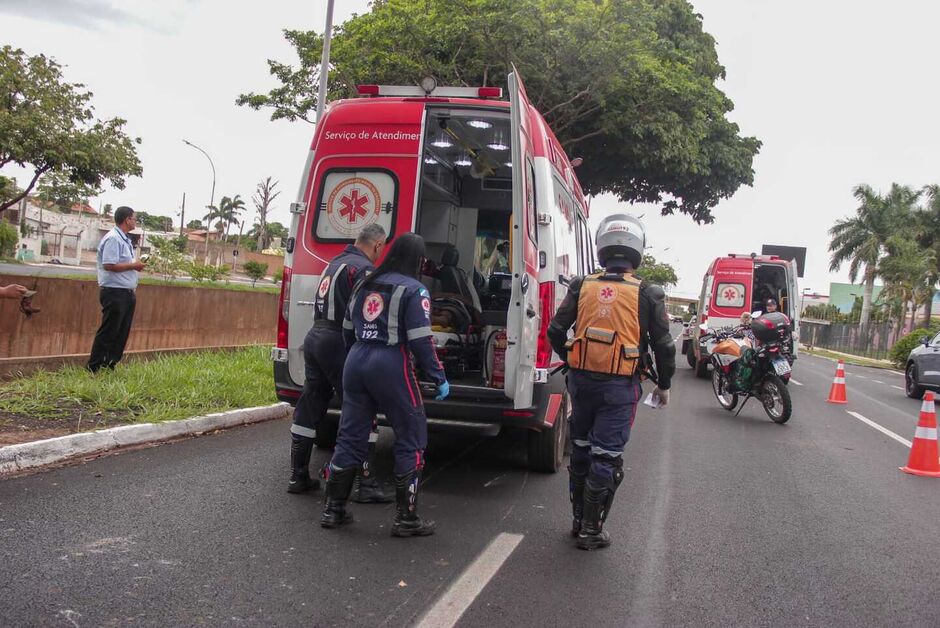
25, 456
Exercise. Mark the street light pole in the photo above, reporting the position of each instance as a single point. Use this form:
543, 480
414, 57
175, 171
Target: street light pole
211, 195
325, 60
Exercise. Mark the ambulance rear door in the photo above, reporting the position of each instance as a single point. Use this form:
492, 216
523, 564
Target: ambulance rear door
523, 319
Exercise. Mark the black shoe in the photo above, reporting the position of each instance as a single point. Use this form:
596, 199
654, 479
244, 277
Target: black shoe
368, 490
407, 522
592, 541
338, 486
300, 480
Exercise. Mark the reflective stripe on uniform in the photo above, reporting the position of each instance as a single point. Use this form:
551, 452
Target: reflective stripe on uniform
373, 437
348, 324
331, 303
597, 451
393, 307
581, 443
419, 332
929, 433
300, 430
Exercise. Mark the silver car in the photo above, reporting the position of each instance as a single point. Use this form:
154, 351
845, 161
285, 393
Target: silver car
923, 368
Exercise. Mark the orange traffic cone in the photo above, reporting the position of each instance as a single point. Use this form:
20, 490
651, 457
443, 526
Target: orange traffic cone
924, 456
837, 392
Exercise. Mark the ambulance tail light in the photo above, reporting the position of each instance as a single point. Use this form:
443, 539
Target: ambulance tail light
490, 92
368, 90
543, 354
284, 310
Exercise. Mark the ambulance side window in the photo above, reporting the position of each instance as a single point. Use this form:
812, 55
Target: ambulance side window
352, 198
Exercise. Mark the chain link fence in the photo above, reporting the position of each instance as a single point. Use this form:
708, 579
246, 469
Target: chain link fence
871, 341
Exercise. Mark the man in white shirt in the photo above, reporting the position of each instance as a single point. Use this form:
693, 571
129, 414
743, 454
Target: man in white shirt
117, 277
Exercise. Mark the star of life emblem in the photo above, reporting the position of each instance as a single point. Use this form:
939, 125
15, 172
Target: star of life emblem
372, 306
607, 294
324, 287
352, 205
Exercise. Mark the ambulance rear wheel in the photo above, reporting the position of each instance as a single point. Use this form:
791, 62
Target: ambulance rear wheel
326, 432
547, 448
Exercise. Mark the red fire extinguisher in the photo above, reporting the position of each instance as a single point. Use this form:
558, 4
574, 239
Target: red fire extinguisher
498, 378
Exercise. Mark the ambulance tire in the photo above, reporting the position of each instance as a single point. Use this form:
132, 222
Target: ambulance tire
547, 448
326, 432
701, 368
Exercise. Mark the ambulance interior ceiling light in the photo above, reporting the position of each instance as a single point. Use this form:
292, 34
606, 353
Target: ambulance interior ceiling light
497, 145
479, 124
430, 161
442, 142
464, 160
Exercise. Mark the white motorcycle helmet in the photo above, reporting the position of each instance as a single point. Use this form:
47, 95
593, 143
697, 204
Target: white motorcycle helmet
620, 236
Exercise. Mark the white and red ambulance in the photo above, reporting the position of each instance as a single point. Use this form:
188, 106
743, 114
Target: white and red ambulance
489, 188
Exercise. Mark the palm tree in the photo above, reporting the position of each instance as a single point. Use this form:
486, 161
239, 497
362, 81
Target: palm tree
229, 211
927, 233
860, 240
907, 270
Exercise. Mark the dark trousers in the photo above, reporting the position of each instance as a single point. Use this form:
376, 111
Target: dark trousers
117, 314
380, 378
602, 414
324, 357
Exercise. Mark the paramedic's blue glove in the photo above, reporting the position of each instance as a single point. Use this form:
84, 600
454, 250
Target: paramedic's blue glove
442, 391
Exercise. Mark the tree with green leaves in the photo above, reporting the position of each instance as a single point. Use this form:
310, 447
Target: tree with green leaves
631, 87
255, 270
165, 258
194, 224
926, 228
907, 269
861, 239
661, 274
48, 126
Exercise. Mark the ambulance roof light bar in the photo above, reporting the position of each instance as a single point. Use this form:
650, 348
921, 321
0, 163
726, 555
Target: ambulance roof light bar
414, 91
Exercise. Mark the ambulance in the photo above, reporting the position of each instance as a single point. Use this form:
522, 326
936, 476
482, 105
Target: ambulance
489, 188
735, 284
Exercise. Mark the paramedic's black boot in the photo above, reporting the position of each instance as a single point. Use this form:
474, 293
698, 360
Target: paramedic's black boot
300, 480
576, 483
367, 489
598, 498
592, 535
338, 486
407, 522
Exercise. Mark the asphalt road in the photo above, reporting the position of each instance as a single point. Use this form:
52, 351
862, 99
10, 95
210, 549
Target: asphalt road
721, 520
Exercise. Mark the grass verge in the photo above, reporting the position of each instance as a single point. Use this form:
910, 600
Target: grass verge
850, 359
165, 388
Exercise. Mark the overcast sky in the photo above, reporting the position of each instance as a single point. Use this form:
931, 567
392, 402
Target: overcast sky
840, 92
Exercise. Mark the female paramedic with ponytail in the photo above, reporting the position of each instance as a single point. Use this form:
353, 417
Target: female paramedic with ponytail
388, 326
617, 318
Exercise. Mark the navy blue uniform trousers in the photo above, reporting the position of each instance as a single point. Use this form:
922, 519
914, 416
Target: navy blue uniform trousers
602, 414
324, 356
381, 378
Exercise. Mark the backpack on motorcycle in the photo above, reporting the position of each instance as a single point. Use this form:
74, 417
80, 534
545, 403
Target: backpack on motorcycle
743, 370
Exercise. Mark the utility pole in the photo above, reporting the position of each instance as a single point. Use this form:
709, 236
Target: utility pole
325, 60
183, 214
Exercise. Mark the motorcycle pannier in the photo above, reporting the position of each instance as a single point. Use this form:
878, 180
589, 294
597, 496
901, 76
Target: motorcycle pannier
771, 327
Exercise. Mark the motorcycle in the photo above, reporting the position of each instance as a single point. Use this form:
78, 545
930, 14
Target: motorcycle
743, 368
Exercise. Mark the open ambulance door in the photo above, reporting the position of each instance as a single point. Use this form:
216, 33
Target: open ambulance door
522, 327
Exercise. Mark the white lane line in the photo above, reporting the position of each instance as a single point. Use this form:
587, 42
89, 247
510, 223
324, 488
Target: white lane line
877, 381
881, 429
898, 387
461, 594
793, 381
858, 376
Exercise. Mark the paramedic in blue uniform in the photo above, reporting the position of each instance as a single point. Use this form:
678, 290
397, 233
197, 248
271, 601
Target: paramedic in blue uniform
388, 325
617, 318
324, 357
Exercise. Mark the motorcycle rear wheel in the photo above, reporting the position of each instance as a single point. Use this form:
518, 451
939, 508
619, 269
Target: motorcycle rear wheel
726, 400
775, 397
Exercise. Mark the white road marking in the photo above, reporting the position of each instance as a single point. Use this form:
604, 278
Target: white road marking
860, 376
877, 381
461, 594
881, 429
793, 381
898, 387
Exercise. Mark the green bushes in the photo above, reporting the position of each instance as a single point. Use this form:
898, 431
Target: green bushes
8, 239
255, 270
903, 347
